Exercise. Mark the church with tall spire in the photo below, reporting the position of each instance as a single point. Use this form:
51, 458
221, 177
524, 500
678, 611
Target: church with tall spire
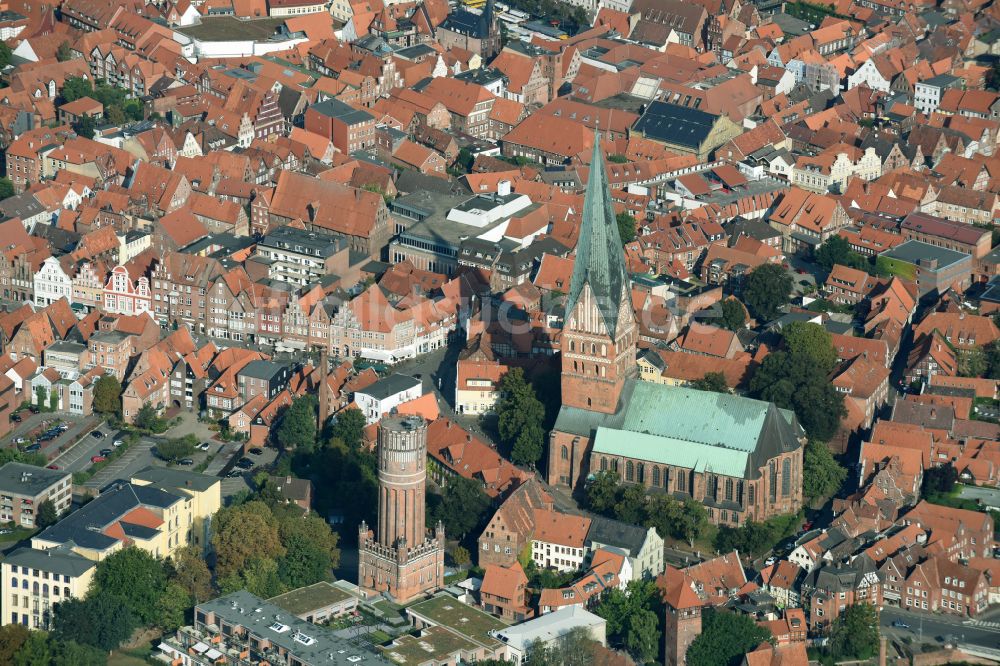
599, 334
741, 458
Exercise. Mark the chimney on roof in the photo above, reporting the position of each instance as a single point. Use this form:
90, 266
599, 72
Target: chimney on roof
933, 413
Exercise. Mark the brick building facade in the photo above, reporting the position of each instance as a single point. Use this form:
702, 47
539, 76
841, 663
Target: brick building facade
401, 560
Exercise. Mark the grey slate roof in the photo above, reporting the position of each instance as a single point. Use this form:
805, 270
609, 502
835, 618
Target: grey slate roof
600, 261
62, 561
391, 385
27, 480
83, 526
616, 533
168, 478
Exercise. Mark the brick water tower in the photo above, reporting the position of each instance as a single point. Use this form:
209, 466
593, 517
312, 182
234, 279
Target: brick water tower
401, 559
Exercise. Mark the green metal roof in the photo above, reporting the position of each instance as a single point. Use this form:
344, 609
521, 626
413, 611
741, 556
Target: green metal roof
671, 451
700, 430
600, 259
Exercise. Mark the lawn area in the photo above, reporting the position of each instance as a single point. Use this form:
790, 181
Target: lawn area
456, 577
453, 614
229, 29
130, 657
953, 500
18, 534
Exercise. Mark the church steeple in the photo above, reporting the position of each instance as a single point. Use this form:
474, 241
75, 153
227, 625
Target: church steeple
599, 332
600, 259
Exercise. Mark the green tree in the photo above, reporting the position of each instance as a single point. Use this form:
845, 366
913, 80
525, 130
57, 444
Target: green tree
465, 160
461, 556
71, 653
766, 291
797, 378
108, 396
76, 87
601, 492
520, 416
812, 343
12, 637
176, 448
643, 636
36, 651
114, 115
14, 455
626, 227
98, 620
992, 352
349, 427
725, 637
311, 549
85, 127
462, 508
734, 315
147, 418
189, 570
172, 604
973, 362
259, 575
690, 520
135, 579
822, 475
630, 503
855, 633
939, 480
836, 250
712, 381
297, 430
64, 52
47, 514
632, 618
6, 186
245, 532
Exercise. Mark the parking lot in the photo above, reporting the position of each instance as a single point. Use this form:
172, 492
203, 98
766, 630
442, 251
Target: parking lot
77, 457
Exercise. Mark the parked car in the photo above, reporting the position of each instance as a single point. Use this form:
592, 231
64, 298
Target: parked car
234, 474
98, 434
52, 467
117, 443
97, 459
256, 451
185, 461
19, 440
33, 409
204, 446
105, 452
244, 463
16, 418
31, 448
899, 624
770, 561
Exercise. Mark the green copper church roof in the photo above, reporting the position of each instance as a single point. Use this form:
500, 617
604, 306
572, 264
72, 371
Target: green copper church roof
700, 430
600, 259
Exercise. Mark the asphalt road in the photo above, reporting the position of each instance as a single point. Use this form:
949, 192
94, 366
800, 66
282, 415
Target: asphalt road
934, 626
